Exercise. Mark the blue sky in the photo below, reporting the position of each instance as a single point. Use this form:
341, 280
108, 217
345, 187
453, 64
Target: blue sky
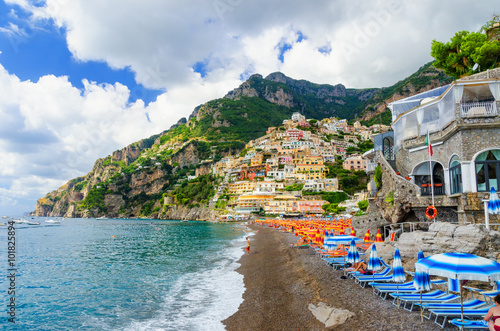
82, 78
43, 51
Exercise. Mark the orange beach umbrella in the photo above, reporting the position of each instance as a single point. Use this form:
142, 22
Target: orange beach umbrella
378, 237
367, 236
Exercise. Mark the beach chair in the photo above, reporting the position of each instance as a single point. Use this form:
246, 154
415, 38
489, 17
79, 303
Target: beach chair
382, 289
446, 313
408, 287
435, 294
384, 272
363, 281
487, 295
470, 324
469, 304
333, 260
442, 299
381, 273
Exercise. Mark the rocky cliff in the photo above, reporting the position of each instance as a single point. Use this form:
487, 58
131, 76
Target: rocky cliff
313, 100
185, 213
443, 237
134, 180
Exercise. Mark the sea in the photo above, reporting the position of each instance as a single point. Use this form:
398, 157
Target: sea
120, 274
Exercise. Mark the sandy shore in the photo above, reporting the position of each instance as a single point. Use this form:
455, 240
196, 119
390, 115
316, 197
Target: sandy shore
282, 281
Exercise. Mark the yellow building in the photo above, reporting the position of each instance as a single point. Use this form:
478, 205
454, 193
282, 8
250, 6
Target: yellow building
241, 187
312, 167
256, 160
252, 203
282, 204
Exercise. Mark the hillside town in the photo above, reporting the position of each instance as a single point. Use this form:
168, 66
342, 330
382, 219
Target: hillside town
271, 174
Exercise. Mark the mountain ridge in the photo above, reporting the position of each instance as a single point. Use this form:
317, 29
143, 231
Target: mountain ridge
135, 179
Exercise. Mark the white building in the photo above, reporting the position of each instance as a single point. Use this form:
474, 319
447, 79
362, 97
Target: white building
297, 117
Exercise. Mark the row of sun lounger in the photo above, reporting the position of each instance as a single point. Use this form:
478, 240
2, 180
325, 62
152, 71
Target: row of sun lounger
437, 304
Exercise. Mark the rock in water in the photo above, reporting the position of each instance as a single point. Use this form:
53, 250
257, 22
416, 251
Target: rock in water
330, 316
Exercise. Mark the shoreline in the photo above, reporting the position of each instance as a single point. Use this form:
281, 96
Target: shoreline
281, 281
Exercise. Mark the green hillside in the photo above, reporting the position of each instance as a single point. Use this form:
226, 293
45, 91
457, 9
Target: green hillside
153, 174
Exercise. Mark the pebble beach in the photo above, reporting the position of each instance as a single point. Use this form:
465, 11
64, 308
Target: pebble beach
281, 282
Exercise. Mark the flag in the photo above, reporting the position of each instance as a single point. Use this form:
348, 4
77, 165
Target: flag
428, 143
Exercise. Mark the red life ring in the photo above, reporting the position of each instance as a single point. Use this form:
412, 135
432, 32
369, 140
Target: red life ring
431, 212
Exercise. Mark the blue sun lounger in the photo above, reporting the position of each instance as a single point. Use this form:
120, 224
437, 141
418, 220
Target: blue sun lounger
383, 289
487, 295
382, 273
469, 304
472, 303
445, 313
442, 299
363, 281
469, 324
433, 296
332, 260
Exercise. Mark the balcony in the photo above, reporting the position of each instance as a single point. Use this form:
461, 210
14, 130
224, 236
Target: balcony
370, 167
478, 109
426, 189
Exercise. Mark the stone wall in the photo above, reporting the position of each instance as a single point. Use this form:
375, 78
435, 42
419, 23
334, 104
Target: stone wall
464, 143
444, 214
404, 193
488, 74
372, 221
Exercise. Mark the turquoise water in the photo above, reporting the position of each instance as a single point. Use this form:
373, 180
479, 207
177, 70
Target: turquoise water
153, 275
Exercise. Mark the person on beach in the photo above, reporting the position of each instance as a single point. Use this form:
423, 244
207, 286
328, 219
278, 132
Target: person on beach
248, 246
493, 315
360, 266
300, 242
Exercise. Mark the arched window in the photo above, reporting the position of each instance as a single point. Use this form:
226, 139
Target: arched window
488, 170
455, 175
423, 179
388, 148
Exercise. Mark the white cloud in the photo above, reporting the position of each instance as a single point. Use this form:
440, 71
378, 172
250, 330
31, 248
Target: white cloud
51, 131
374, 43
12, 30
54, 131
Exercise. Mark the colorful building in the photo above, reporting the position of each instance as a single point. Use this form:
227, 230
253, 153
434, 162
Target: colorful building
252, 203
355, 163
241, 187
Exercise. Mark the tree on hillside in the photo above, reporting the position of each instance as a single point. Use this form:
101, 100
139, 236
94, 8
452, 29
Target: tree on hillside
458, 56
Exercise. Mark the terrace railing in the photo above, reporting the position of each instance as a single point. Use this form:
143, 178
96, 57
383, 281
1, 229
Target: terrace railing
478, 109
370, 166
426, 189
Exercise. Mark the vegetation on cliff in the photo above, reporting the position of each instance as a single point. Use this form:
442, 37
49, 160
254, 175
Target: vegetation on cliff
135, 180
195, 191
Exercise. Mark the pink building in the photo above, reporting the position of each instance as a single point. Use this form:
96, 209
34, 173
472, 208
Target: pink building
310, 206
303, 123
285, 159
354, 163
294, 134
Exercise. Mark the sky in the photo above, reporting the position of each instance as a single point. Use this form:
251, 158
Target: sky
82, 78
